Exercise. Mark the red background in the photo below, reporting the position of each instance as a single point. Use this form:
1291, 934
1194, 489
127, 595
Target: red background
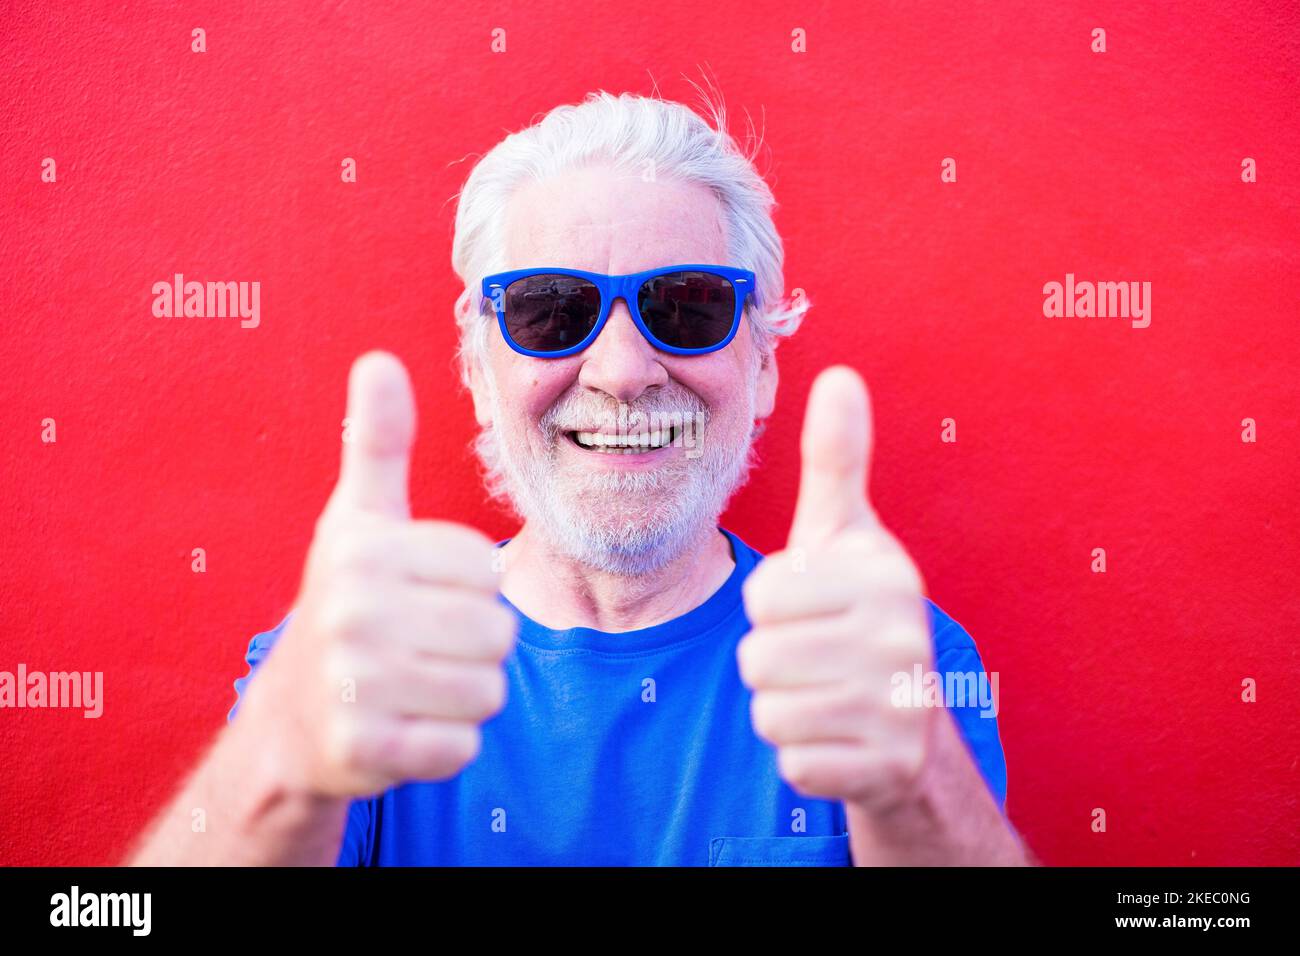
1118, 690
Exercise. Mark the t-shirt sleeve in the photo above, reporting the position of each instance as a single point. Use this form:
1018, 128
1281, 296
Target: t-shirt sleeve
971, 696
258, 648
356, 833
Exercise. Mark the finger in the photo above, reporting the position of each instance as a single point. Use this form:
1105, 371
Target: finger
821, 715
449, 623
802, 653
381, 430
832, 770
783, 587
411, 685
433, 552
408, 748
873, 645
455, 624
835, 448
790, 585
429, 620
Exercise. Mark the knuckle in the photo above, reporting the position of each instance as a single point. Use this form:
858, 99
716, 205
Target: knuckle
344, 746
492, 627
463, 743
796, 771
744, 660
455, 534
756, 597
501, 629
498, 689
891, 570
750, 659
483, 691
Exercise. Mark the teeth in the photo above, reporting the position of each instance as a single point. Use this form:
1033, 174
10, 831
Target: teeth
624, 444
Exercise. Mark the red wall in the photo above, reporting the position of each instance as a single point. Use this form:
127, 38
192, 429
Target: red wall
1119, 690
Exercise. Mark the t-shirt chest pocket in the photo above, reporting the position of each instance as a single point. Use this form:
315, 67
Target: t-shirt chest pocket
780, 851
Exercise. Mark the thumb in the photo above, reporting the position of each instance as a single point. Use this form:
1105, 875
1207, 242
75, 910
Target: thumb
836, 455
377, 443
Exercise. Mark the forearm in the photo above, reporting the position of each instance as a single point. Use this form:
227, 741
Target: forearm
236, 809
950, 820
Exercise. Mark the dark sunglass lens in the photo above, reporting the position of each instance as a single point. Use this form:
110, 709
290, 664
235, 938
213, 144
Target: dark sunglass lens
688, 310
550, 313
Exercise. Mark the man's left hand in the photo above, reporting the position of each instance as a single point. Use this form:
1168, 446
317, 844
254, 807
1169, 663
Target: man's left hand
835, 616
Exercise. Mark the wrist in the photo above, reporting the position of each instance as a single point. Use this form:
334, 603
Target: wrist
276, 803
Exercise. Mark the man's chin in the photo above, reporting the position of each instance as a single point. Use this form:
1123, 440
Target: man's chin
625, 542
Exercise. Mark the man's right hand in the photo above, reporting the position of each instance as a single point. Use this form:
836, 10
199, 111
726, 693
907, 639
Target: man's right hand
392, 658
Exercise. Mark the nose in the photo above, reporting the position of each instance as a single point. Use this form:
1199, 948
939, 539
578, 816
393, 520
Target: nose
621, 362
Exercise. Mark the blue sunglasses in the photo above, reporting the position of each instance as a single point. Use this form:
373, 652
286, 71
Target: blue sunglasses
684, 310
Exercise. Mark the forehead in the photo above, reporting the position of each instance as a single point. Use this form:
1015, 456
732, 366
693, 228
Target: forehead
602, 220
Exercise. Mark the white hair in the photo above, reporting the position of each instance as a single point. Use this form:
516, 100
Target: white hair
629, 132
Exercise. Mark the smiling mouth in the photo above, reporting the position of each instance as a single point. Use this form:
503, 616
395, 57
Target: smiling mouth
624, 444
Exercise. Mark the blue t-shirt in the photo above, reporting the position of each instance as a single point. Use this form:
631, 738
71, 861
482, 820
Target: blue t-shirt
631, 748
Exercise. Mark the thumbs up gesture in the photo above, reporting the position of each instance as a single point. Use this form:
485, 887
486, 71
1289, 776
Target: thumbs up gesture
392, 657
835, 615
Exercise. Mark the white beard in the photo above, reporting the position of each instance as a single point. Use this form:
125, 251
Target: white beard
620, 522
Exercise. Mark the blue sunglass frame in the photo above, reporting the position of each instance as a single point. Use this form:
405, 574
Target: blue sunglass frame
623, 287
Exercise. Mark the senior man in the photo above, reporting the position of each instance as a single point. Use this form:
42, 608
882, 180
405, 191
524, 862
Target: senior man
623, 681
